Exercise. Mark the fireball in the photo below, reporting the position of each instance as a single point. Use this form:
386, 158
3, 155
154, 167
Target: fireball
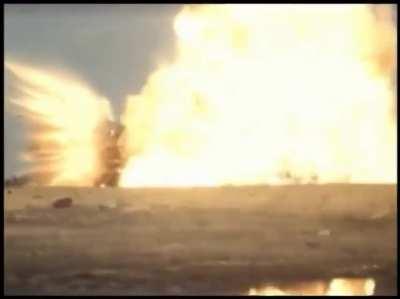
268, 94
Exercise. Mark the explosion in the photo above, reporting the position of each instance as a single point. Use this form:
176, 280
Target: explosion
267, 94
257, 94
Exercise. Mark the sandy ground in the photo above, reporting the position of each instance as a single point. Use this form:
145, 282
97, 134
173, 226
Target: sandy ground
197, 240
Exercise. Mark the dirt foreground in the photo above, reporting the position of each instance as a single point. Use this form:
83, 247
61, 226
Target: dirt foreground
196, 240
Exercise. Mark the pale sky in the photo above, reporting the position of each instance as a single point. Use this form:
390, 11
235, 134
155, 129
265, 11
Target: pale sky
113, 47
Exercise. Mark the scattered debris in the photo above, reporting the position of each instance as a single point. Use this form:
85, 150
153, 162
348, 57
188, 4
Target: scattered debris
11, 217
85, 275
314, 178
103, 208
177, 248
175, 290
380, 214
103, 272
369, 267
350, 251
16, 181
324, 233
312, 244
65, 202
110, 204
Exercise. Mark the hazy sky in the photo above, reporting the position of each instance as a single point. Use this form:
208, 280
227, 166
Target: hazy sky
112, 47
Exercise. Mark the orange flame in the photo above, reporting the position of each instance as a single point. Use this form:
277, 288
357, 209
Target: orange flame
267, 94
63, 115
